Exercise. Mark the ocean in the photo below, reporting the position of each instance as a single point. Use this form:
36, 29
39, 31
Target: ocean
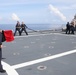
30, 26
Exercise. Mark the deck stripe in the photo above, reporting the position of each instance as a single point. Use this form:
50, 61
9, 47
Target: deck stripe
42, 59
9, 69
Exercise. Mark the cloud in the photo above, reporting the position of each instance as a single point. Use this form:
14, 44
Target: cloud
15, 17
57, 12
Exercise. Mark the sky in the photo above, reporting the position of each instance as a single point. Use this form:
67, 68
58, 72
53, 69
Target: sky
37, 11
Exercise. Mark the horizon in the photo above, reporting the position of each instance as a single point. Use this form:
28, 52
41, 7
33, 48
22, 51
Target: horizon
34, 26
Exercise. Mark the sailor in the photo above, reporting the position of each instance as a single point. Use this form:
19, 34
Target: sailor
72, 28
68, 28
23, 28
1, 68
18, 27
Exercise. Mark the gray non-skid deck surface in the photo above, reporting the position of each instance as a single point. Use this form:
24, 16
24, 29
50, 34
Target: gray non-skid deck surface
35, 46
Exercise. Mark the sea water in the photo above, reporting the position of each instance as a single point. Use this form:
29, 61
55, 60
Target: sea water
30, 26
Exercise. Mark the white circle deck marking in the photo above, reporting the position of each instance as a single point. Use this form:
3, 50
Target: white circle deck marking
26, 46
51, 46
32, 42
9, 69
14, 53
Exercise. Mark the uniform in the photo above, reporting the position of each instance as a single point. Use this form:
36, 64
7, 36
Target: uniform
67, 28
18, 27
23, 28
1, 68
